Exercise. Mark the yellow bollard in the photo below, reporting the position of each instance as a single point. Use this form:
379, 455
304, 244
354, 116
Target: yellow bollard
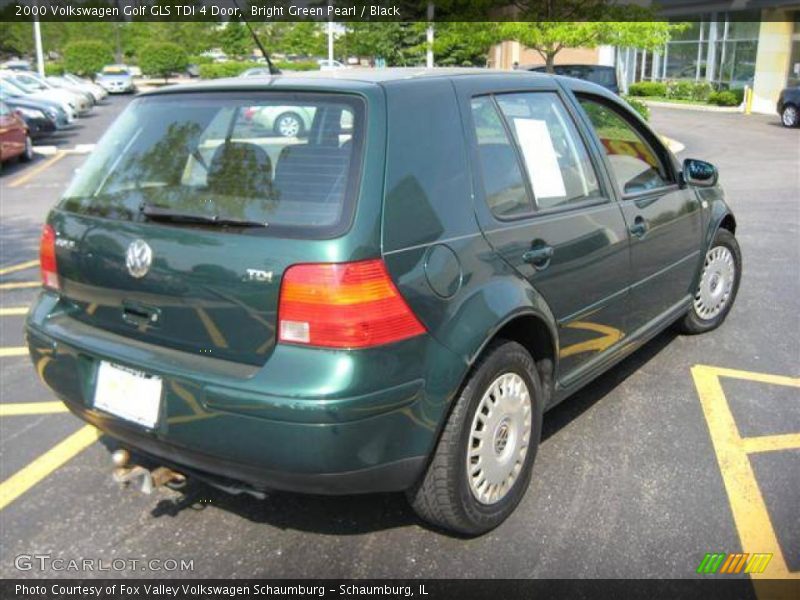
748, 100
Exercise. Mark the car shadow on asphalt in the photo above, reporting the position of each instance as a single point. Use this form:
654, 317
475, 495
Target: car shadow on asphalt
62, 137
359, 514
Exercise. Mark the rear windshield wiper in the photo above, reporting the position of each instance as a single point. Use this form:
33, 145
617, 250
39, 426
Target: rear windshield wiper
160, 213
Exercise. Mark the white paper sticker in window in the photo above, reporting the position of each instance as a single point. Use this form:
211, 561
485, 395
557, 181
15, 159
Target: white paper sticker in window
540, 158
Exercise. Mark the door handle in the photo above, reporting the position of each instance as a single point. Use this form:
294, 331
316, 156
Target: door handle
539, 256
639, 227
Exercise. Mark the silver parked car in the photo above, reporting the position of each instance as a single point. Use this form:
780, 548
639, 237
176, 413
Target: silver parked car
83, 101
116, 79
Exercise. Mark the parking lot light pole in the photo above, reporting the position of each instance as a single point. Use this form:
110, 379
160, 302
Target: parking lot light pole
37, 38
330, 39
330, 43
429, 35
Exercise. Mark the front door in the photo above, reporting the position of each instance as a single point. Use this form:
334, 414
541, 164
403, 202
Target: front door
664, 218
545, 208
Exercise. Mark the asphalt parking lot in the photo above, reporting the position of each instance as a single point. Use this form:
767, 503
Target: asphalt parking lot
690, 447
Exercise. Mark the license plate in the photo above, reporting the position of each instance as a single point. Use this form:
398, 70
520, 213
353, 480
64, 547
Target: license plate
128, 394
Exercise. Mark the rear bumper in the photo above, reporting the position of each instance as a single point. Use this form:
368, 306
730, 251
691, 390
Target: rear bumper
387, 477
245, 424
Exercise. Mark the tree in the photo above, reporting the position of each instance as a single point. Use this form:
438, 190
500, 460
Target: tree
86, 58
235, 40
402, 44
550, 38
304, 38
194, 37
550, 27
162, 59
464, 44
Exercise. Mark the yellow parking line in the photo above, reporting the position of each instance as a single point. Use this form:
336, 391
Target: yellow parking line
771, 443
750, 514
13, 311
754, 376
31, 173
24, 479
19, 267
15, 409
18, 285
13, 351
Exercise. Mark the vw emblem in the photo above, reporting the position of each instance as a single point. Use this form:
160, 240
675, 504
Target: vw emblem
138, 258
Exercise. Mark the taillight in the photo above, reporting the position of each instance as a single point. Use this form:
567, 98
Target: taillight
345, 305
47, 258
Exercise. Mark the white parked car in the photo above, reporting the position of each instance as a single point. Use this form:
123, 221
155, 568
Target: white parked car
330, 65
256, 72
95, 91
58, 98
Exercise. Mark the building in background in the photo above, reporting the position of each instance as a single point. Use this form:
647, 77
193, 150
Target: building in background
742, 46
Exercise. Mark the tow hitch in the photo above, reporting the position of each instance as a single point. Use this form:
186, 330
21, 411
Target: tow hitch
146, 480
142, 478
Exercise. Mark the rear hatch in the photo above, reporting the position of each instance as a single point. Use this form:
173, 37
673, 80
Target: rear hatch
180, 225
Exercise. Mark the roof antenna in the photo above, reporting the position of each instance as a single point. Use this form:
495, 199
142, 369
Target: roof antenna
273, 70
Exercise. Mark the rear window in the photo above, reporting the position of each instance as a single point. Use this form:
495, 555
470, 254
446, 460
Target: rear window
289, 160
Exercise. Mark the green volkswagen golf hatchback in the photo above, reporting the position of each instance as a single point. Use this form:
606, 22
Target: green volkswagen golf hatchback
389, 301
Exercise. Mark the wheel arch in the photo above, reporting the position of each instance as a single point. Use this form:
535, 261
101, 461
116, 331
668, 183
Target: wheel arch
539, 338
533, 327
721, 217
728, 221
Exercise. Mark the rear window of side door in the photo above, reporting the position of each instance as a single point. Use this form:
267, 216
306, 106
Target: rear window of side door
664, 219
544, 204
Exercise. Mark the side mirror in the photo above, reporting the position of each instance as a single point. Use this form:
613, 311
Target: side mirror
699, 173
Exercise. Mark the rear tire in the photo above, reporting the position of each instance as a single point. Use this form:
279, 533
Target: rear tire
718, 285
288, 124
498, 445
27, 155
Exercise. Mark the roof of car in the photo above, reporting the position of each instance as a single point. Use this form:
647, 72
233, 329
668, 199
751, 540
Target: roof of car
342, 76
346, 80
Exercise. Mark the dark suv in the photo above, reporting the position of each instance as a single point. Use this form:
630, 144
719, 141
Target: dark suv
599, 74
789, 106
389, 301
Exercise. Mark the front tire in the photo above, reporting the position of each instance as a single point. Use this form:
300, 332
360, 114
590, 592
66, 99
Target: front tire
482, 464
790, 116
718, 285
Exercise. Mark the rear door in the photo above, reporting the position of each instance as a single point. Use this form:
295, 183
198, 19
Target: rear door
664, 219
544, 206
